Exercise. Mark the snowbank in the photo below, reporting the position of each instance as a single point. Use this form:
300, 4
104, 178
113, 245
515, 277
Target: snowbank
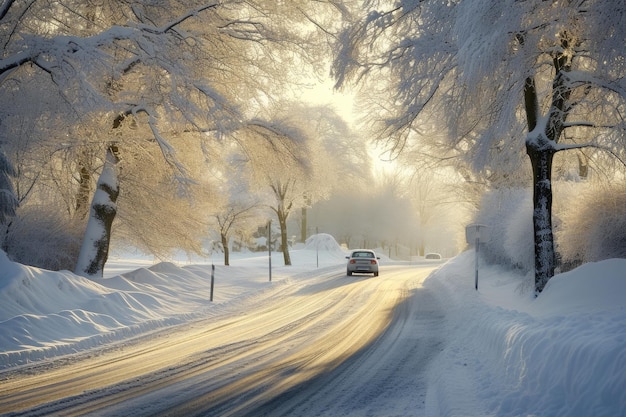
323, 242
506, 353
562, 354
45, 314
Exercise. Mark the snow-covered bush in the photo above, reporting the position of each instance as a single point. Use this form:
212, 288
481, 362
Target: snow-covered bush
594, 225
589, 225
508, 214
39, 236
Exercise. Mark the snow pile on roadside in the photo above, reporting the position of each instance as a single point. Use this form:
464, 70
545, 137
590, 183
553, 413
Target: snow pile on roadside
562, 354
47, 313
44, 314
323, 242
505, 354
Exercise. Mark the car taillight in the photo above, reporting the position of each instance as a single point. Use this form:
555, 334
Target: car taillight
352, 261
373, 262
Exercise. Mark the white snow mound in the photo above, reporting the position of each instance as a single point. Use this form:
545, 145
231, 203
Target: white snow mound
323, 242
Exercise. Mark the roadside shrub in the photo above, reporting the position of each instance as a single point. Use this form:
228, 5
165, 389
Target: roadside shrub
508, 214
589, 225
39, 237
594, 225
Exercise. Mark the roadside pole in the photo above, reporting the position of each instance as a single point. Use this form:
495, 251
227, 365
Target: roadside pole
476, 249
317, 246
269, 245
212, 280
474, 233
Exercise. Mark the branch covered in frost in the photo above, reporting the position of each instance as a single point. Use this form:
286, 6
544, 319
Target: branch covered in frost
35, 47
169, 153
583, 78
170, 25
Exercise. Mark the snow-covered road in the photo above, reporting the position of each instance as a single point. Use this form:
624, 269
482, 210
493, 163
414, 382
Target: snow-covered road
366, 384
320, 346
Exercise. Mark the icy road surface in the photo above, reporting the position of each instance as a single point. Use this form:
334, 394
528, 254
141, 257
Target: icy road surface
329, 345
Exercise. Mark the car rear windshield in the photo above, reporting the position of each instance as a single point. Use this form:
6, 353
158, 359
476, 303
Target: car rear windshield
362, 255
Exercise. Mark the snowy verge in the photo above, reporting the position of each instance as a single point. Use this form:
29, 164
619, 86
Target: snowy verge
46, 314
505, 352
562, 354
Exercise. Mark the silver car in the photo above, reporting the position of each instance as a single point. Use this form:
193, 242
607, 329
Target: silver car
363, 261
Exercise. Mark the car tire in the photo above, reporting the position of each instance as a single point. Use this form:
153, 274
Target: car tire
349, 273
375, 274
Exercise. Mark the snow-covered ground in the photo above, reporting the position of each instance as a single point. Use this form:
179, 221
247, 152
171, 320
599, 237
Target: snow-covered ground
509, 354
505, 352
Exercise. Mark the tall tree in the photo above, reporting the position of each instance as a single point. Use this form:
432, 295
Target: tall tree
95, 247
338, 155
315, 153
489, 70
277, 156
171, 66
239, 208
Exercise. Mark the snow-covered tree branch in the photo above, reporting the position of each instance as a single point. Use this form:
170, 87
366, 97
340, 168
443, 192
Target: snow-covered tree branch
483, 72
167, 67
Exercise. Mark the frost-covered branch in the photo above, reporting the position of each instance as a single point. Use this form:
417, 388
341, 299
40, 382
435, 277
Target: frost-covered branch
244, 30
169, 153
588, 124
39, 46
573, 146
168, 26
582, 78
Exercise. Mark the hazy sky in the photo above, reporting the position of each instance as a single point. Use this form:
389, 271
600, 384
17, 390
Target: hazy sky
323, 93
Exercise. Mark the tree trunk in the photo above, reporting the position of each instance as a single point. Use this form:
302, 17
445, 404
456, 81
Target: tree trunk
225, 248
8, 199
94, 251
282, 212
84, 191
303, 226
545, 259
282, 220
540, 146
583, 166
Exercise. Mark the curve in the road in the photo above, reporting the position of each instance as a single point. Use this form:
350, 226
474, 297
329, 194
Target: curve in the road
309, 338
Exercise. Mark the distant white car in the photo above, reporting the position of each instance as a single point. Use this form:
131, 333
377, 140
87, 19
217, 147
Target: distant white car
362, 261
432, 256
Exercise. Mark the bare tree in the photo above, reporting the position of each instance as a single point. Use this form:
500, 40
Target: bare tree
229, 221
238, 211
478, 67
431, 198
338, 155
279, 162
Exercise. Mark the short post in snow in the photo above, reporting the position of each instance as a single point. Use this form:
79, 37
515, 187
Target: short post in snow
269, 245
474, 234
476, 250
317, 247
212, 280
